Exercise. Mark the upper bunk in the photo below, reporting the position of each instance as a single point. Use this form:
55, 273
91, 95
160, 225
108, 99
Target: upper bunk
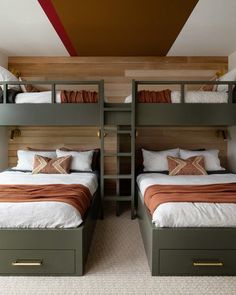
184, 109
47, 110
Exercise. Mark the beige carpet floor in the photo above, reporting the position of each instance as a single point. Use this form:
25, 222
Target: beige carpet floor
117, 265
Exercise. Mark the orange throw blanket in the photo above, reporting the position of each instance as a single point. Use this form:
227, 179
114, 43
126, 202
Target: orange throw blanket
82, 96
76, 195
156, 195
146, 96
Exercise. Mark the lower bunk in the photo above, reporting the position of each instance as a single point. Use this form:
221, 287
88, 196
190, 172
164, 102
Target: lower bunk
48, 251
187, 251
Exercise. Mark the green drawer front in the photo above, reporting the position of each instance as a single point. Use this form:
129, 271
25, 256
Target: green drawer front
37, 262
197, 262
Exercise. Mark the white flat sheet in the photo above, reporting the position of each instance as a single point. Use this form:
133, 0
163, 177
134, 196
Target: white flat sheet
43, 214
185, 214
195, 97
37, 97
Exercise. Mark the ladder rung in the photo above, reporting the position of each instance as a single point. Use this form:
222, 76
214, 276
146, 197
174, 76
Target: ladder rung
117, 154
118, 198
124, 131
119, 176
117, 109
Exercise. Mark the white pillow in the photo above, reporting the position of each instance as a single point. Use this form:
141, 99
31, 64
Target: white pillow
230, 76
81, 161
26, 158
7, 76
211, 158
157, 161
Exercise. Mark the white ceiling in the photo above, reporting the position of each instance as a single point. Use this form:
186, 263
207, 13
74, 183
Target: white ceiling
210, 30
25, 30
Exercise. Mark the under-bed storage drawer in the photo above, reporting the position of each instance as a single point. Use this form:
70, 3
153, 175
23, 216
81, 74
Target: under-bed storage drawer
37, 262
197, 262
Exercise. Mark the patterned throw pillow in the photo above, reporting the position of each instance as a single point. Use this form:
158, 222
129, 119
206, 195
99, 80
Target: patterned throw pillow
46, 165
191, 166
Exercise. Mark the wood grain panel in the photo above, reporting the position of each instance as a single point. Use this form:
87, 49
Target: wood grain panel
160, 138
118, 72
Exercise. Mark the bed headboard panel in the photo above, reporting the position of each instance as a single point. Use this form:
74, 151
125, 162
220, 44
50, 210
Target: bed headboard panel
184, 137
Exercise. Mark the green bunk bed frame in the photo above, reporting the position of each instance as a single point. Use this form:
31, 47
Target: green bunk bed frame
186, 251
50, 252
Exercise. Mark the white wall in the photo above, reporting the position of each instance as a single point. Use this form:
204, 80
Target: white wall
3, 60
232, 60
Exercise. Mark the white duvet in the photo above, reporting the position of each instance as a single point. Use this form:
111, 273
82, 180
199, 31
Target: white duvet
43, 214
184, 214
195, 97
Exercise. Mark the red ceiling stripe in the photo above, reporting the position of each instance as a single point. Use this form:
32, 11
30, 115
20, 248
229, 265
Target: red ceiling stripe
58, 26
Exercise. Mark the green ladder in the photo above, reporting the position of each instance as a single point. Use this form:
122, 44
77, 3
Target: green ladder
115, 112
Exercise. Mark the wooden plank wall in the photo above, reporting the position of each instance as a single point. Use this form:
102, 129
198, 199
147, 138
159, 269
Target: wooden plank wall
118, 71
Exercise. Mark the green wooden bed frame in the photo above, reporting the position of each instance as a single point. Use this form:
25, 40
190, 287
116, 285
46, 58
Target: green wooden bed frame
187, 251
50, 252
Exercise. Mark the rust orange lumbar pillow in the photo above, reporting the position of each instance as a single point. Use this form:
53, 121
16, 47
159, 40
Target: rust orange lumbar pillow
46, 165
191, 166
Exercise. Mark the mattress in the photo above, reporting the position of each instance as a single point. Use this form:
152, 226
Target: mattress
187, 214
195, 97
37, 97
43, 214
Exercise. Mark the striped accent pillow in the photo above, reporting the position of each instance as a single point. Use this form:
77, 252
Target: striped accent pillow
191, 166
46, 165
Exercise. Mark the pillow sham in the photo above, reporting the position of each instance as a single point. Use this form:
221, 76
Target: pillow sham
96, 156
81, 161
211, 158
26, 158
7, 76
190, 166
51, 166
230, 76
157, 160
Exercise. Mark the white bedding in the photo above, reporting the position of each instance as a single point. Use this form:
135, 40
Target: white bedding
43, 214
37, 97
195, 97
186, 214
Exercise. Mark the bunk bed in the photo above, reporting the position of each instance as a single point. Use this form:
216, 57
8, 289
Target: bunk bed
181, 114
51, 113
185, 250
49, 251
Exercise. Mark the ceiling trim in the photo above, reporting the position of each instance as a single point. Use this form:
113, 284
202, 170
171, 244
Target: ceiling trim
53, 17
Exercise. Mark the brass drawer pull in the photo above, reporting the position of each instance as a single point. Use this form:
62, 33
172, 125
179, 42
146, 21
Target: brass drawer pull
208, 263
26, 262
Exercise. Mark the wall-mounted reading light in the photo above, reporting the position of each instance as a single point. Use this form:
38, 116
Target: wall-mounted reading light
222, 133
15, 133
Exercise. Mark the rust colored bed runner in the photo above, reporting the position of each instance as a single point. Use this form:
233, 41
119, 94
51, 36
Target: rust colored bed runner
146, 96
156, 195
82, 96
76, 195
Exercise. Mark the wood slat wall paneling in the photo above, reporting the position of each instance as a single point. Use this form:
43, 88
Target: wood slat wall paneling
118, 71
